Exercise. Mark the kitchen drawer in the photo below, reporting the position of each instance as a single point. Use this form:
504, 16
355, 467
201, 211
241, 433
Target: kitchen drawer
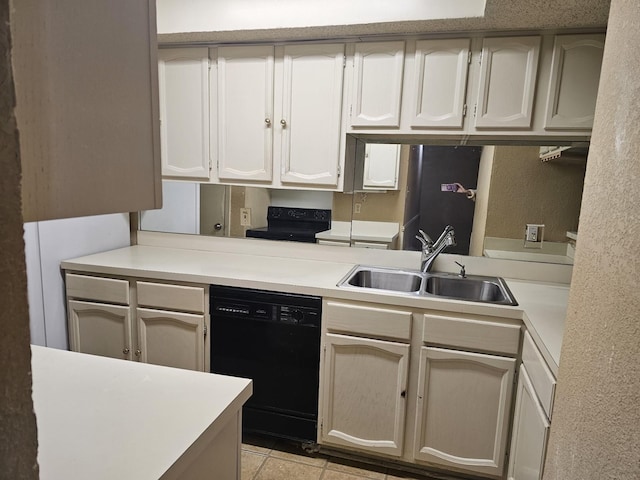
367, 320
171, 297
110, 290
470, 333
378, 245
544, 383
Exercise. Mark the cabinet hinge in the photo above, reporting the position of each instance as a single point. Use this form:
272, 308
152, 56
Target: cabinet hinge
464, 110
480, 58
469, 56
205, 331
475, 108
344, 61
339, 171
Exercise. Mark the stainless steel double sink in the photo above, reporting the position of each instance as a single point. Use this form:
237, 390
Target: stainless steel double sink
474, 288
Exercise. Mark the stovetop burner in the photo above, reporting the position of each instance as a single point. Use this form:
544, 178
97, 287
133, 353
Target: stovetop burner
294, 224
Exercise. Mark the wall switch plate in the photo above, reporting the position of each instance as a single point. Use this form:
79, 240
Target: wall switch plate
245, 217
357, 207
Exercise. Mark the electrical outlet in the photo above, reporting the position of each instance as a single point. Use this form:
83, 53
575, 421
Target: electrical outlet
357, 207
245, 217
532, 233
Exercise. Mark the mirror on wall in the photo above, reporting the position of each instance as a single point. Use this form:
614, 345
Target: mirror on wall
488, 193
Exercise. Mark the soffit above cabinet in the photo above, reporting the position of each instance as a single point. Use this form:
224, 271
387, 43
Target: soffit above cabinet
176, 24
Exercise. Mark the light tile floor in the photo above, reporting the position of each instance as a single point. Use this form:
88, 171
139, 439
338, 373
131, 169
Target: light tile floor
267, 459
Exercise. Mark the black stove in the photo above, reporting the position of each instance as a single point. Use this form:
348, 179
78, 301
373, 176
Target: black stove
293, 224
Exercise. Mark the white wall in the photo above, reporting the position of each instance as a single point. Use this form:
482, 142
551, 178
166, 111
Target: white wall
46, 245
224, 15
180, 212
482, 201
301, 199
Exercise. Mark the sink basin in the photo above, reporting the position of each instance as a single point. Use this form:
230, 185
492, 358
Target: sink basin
383, 279
473, 288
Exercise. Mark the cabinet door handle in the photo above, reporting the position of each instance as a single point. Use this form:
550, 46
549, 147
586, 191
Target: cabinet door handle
267, 121
126, 351
138, 353
283, 122
403, 394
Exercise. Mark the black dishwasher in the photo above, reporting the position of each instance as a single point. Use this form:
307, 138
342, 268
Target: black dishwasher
274, 339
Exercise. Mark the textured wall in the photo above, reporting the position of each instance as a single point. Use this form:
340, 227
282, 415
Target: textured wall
18, 437
595, 432
526, 190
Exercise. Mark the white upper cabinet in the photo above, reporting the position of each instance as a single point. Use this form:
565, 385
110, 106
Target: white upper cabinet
86, 106
244, 103
377, 84
575, 74
507, 82
184, 112
308, 113
381, 165
440, 83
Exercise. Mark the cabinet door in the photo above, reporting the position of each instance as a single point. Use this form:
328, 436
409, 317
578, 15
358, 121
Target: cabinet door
464, 401
363, 393
381, 164
86, 107
184, 112
171, 339
310, 114
440, 83
245, 113
377, 84
507, 82
100, 329
530, 432
575, 74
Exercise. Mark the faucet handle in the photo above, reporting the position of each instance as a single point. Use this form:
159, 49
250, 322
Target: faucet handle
422, 241
463, 272
425, 237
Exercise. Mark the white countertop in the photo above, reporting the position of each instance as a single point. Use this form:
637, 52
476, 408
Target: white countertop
374, 231
359, 230
339, 232
103, 418
542, 306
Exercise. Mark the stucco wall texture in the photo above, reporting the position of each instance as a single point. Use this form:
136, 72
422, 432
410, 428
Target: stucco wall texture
18, 437
595, 430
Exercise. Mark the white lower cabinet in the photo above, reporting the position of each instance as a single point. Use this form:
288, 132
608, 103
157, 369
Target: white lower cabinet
365, 390
532, 416
104, 320
530, 433
463, 408
100, 329
364, 371
432, 389
182, 331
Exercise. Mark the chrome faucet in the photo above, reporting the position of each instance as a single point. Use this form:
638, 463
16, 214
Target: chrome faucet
431, 249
